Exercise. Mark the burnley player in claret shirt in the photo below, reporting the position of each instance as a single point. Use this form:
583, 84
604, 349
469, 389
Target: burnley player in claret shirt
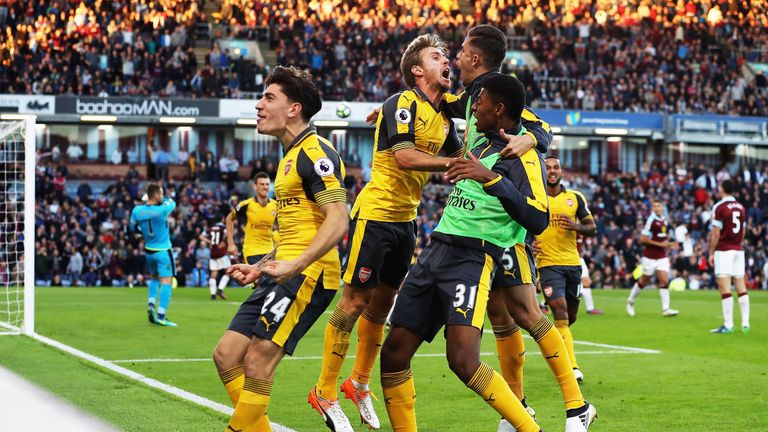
726, 254
656, 238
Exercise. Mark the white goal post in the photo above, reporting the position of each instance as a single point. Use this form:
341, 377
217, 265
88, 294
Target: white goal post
17, 224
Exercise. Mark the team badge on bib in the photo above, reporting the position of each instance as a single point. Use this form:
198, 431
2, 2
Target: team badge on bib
324, 167
569, 202
364, 274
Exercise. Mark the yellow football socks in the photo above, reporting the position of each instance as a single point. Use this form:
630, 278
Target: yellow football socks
400, 399
495, 391
250, 412
335, 348
369, 337
233, 380
554, 351
565, 331
510, 348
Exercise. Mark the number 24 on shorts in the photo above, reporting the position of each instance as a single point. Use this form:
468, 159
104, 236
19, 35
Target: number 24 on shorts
278, 310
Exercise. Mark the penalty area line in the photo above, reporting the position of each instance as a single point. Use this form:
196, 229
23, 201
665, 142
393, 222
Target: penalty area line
183, 394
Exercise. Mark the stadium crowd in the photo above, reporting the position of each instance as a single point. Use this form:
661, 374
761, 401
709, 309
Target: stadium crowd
684, 56
82, 236
642, 56
115, 48
593, 55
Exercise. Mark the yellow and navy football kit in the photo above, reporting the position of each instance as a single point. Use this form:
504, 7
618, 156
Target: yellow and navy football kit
450, 282
382, 227
559, 262
258, 220
309, 176
519, 265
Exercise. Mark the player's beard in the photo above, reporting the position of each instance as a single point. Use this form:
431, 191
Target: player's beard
440, 87
555, 184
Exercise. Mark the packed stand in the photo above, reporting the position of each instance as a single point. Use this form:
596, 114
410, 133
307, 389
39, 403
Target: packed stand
354, 48
110, 48
594, 55
635, 56
673, 57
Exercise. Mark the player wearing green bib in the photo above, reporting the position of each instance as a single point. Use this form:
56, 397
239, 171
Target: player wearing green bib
512, 300
492, 207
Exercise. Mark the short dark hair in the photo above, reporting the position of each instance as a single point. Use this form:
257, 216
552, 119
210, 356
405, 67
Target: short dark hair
152, 189
506, 90
491, 42
299, 86
729, 186
260, 175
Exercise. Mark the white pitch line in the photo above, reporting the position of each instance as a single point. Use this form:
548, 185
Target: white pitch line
192, 360
601, 345
191, 397
626, 348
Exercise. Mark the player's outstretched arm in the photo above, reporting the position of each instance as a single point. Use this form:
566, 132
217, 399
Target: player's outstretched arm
244, 274
329, 234
229, 221
412, 159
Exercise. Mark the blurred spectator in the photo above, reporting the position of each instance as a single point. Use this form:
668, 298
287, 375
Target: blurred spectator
74, 152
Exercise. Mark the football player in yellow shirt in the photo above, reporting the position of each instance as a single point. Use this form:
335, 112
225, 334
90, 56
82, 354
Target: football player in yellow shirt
411, 131
306, 273
557, 255
258, 215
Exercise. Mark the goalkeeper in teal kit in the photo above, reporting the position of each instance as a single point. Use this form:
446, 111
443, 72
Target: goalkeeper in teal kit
151, 220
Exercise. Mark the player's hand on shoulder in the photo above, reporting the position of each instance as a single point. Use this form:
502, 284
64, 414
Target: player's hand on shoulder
373, 116
244, 273
471, 168
517, 145
282, 271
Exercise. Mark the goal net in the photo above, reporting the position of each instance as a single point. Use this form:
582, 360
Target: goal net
17, 218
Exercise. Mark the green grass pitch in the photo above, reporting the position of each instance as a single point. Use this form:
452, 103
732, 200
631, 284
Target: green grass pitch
698, 381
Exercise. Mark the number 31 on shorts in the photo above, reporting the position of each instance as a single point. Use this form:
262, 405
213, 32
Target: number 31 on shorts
461, 297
